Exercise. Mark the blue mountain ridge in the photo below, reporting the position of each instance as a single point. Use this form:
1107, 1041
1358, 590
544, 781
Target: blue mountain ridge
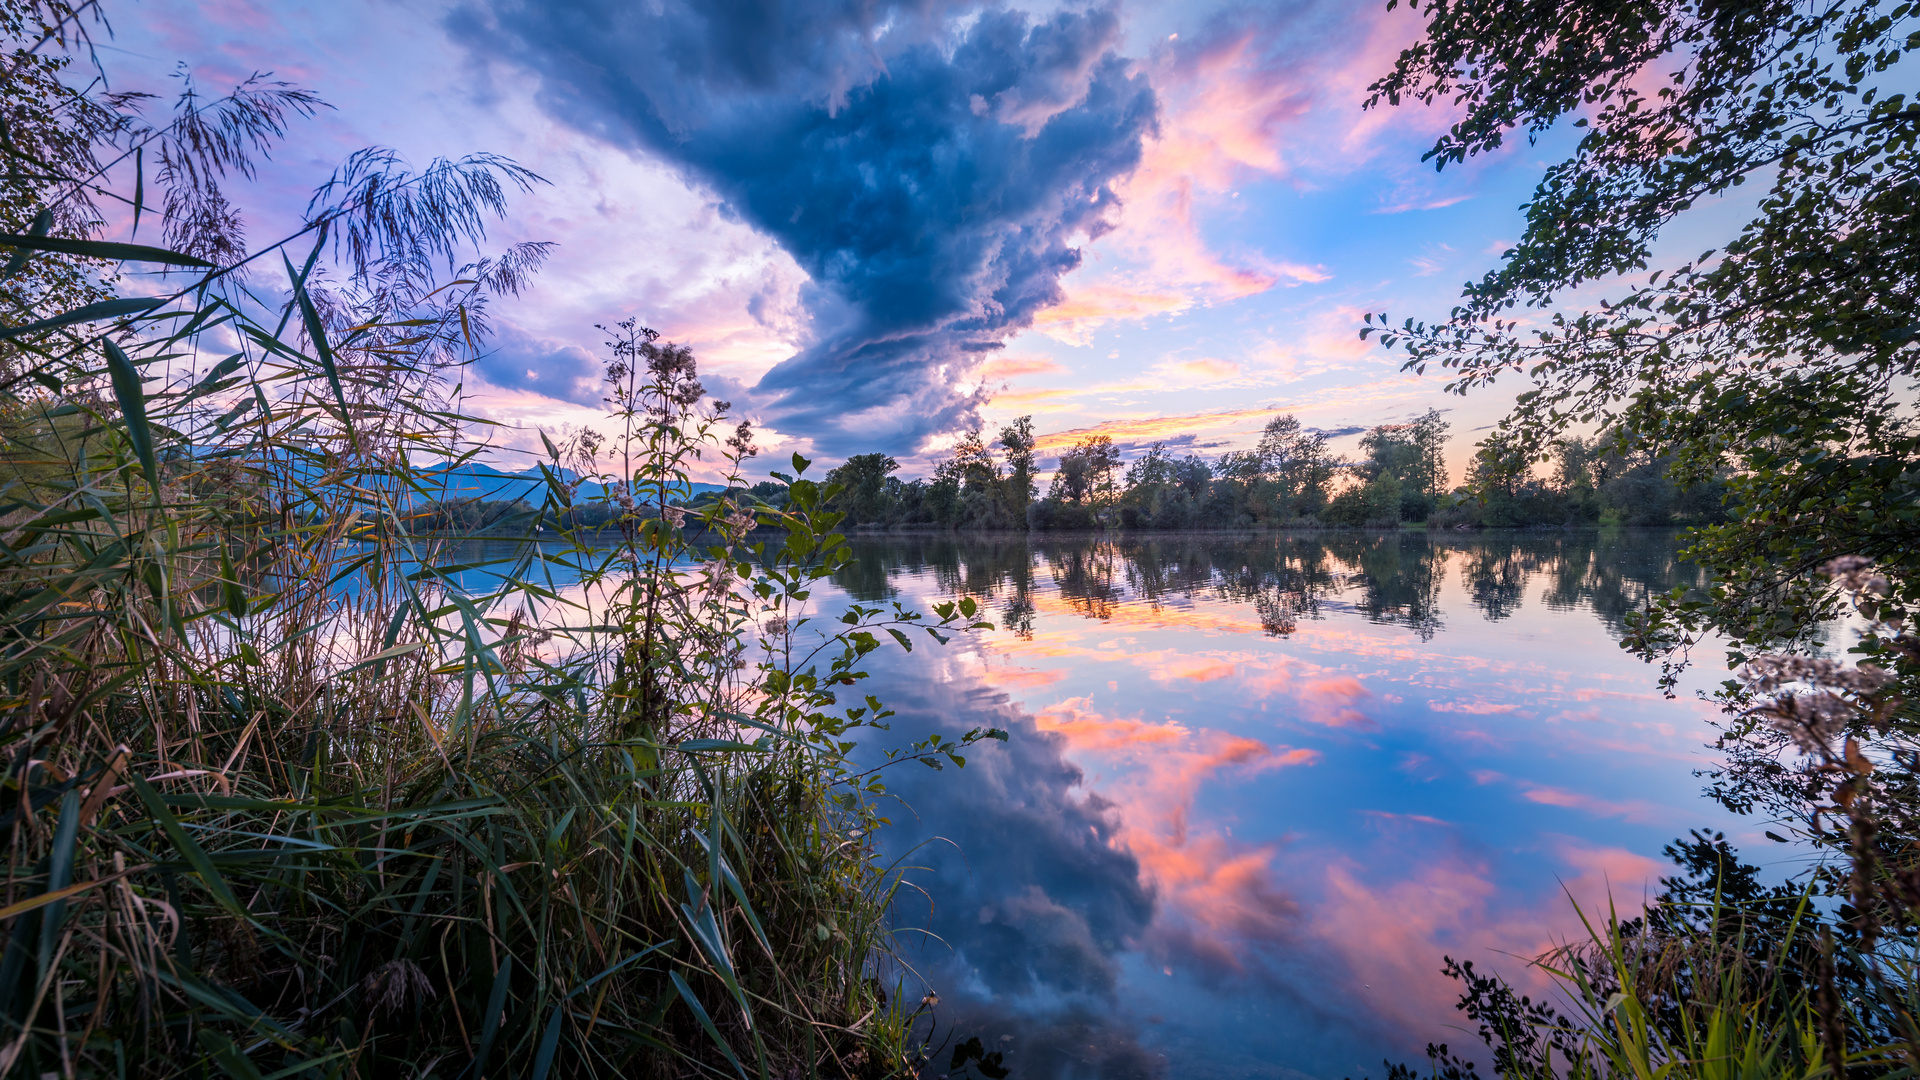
475, 480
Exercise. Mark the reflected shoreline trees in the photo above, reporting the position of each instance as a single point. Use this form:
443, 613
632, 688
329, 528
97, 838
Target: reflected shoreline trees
1392, 578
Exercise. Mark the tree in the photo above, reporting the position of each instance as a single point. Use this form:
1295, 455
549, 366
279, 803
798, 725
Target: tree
1085, 477
972, 464
1412, 454
1297, 466
1784, 359
1103, 467
1017, 439
1072, 479
864, 494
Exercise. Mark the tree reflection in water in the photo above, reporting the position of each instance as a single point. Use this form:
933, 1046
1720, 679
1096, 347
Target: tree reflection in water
1387, 577
1207, 726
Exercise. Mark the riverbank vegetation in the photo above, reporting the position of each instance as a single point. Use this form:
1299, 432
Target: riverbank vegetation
283, 796
1289, 479
1780, 365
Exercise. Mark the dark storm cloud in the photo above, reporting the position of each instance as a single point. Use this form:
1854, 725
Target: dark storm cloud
1021, 893
516, 360
932, 174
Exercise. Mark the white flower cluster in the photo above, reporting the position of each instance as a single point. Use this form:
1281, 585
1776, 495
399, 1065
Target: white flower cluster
1769, 674
719, 578
1855, 574
1815, 697
675, 515
1812, 720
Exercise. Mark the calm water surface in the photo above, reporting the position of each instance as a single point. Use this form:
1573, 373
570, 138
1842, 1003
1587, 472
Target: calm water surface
1257, 787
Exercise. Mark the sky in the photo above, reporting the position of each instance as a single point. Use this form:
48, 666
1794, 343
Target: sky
881, 224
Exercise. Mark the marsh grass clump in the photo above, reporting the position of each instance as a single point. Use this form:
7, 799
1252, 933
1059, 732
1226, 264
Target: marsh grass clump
285, 794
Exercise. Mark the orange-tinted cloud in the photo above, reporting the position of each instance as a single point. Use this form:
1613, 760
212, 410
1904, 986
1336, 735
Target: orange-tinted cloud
1196, 669
1148, 429
1087, 730
1095, 304
1242, 105
1202, 371
1022, 678
1333, 702
1014, 367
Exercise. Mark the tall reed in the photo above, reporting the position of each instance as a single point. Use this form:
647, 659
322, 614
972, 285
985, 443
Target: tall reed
287, 795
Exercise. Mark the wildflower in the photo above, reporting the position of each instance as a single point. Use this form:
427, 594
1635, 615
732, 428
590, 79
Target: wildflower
740, 521
1811, 720
1854, 573
676, 515
1768, 674
741, 441
719, 575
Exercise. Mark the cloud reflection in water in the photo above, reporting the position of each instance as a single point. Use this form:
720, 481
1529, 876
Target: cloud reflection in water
1257, 787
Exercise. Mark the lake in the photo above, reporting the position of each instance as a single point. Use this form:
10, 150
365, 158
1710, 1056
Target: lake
1258, 786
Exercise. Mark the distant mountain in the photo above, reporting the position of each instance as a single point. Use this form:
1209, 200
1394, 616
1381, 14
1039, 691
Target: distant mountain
475, 480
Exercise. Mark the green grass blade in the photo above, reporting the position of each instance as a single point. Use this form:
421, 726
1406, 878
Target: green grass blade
97, 312
706, 1022
103, 249
195, 855
133, 408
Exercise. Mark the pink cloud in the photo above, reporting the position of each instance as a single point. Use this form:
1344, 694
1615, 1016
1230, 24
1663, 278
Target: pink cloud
1197, 670
1244, 102
1634, 810
1014, 367
1475, 707
1333, 702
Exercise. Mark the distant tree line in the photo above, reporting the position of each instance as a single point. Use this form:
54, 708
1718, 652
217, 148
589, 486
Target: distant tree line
476, 516
1290, 478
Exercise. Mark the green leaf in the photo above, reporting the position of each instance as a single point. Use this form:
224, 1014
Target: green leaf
379, 659
59, 874
133, 409
41, 223
228, 1056
139, 186
317, 333
698, 745
490, 1024
706, 1022
549, 1041
105, 309
102, 249
194, 854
